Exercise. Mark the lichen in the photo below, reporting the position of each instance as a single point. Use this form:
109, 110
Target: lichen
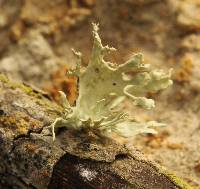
25, 89
103, 86
19, 123
178, 181
39, 97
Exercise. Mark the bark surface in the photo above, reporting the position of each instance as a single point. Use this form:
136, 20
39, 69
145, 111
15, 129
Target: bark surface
30, 159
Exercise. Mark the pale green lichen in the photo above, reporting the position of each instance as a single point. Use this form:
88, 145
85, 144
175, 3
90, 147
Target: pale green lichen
103, 86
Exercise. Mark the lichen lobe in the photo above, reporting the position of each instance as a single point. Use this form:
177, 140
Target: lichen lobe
103, 86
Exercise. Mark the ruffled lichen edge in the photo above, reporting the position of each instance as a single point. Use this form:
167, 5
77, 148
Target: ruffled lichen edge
103, 86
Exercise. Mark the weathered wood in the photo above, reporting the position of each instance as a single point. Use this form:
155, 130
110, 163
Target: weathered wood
29, 158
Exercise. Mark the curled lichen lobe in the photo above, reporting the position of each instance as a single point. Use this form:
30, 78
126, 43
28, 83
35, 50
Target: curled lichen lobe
103, 86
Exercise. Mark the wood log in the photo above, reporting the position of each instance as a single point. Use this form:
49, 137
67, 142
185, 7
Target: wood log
30, 159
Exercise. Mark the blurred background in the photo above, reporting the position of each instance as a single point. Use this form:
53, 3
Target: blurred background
36, 37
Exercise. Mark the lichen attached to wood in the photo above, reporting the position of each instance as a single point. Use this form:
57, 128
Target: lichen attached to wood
103, 86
